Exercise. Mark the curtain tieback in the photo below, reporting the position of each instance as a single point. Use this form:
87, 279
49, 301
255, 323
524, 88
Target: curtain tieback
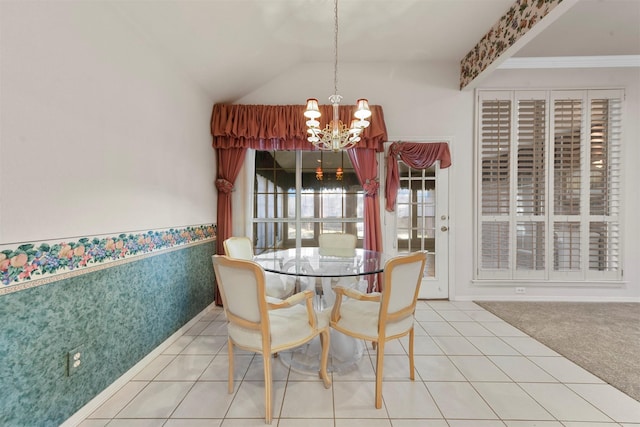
395, 149
224, 186
371, 188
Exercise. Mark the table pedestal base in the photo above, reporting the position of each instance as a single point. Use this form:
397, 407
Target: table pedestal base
344, 354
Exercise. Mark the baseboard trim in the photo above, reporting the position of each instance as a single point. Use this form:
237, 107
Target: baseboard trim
97, 401
532, 298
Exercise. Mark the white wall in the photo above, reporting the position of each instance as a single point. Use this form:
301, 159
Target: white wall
99, 133
423, 101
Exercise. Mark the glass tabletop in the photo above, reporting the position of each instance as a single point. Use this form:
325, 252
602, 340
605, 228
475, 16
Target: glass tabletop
313, 262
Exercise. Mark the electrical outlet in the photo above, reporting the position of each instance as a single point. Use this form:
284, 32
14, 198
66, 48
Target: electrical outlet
520, 290
75, 360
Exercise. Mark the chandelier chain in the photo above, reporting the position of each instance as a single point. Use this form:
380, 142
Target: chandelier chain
335, 48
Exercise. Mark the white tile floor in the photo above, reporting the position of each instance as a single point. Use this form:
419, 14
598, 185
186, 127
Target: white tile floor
472, 370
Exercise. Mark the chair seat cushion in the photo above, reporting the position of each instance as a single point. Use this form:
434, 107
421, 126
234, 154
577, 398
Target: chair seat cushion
361, 318
289, 328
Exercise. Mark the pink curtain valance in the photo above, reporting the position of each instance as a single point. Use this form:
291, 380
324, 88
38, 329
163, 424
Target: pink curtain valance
417, 155
283, 127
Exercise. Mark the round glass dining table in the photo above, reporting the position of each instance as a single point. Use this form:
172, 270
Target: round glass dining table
318, 270
316, 262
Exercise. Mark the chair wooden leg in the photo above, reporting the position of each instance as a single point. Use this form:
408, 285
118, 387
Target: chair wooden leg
231, 368
412, 371
379, 367
324, 343
266, 357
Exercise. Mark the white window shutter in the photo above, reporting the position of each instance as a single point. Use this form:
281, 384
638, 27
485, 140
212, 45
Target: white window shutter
548, 185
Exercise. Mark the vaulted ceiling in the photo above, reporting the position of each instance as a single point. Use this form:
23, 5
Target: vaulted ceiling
246, 43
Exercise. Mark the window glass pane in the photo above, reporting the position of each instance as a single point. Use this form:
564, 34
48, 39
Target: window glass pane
270, 183
291, 231
329, 227
260, 209
289, 201
495, 245
360, 230
403, 218
331, 202
604, 241
307, 230
566, 246
531, 246
267, 235
312, 171
285, 176
308, 204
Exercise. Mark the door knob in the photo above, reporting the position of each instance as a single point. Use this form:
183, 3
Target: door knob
444, 228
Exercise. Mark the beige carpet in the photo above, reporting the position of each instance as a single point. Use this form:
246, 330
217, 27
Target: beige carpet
603, 338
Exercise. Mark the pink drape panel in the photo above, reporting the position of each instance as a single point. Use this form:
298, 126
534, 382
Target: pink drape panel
418, 156
229, 163
365, 165
282, 127
366, 168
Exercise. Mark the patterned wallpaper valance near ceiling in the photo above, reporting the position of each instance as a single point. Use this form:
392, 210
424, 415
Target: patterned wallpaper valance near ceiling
519, 19
23, 267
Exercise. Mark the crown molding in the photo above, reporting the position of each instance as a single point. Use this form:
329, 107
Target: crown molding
605, 61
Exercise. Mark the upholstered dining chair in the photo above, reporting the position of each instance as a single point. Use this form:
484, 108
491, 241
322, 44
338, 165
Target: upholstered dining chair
241, 247
337, 245
381, 317
262, 327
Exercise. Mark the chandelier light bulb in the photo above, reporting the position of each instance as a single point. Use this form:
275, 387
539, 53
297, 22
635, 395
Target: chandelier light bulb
362, 111
312, 111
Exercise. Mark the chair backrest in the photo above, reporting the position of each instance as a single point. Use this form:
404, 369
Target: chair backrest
239, 247
337, 244
242, 286
402, 278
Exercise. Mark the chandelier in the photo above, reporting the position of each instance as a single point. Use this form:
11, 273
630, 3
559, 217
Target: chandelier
336, 135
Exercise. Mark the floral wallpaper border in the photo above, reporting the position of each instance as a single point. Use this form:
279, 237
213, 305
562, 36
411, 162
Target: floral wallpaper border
519, 19
33, 264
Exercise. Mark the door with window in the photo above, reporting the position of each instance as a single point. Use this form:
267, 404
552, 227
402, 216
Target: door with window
420, 222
